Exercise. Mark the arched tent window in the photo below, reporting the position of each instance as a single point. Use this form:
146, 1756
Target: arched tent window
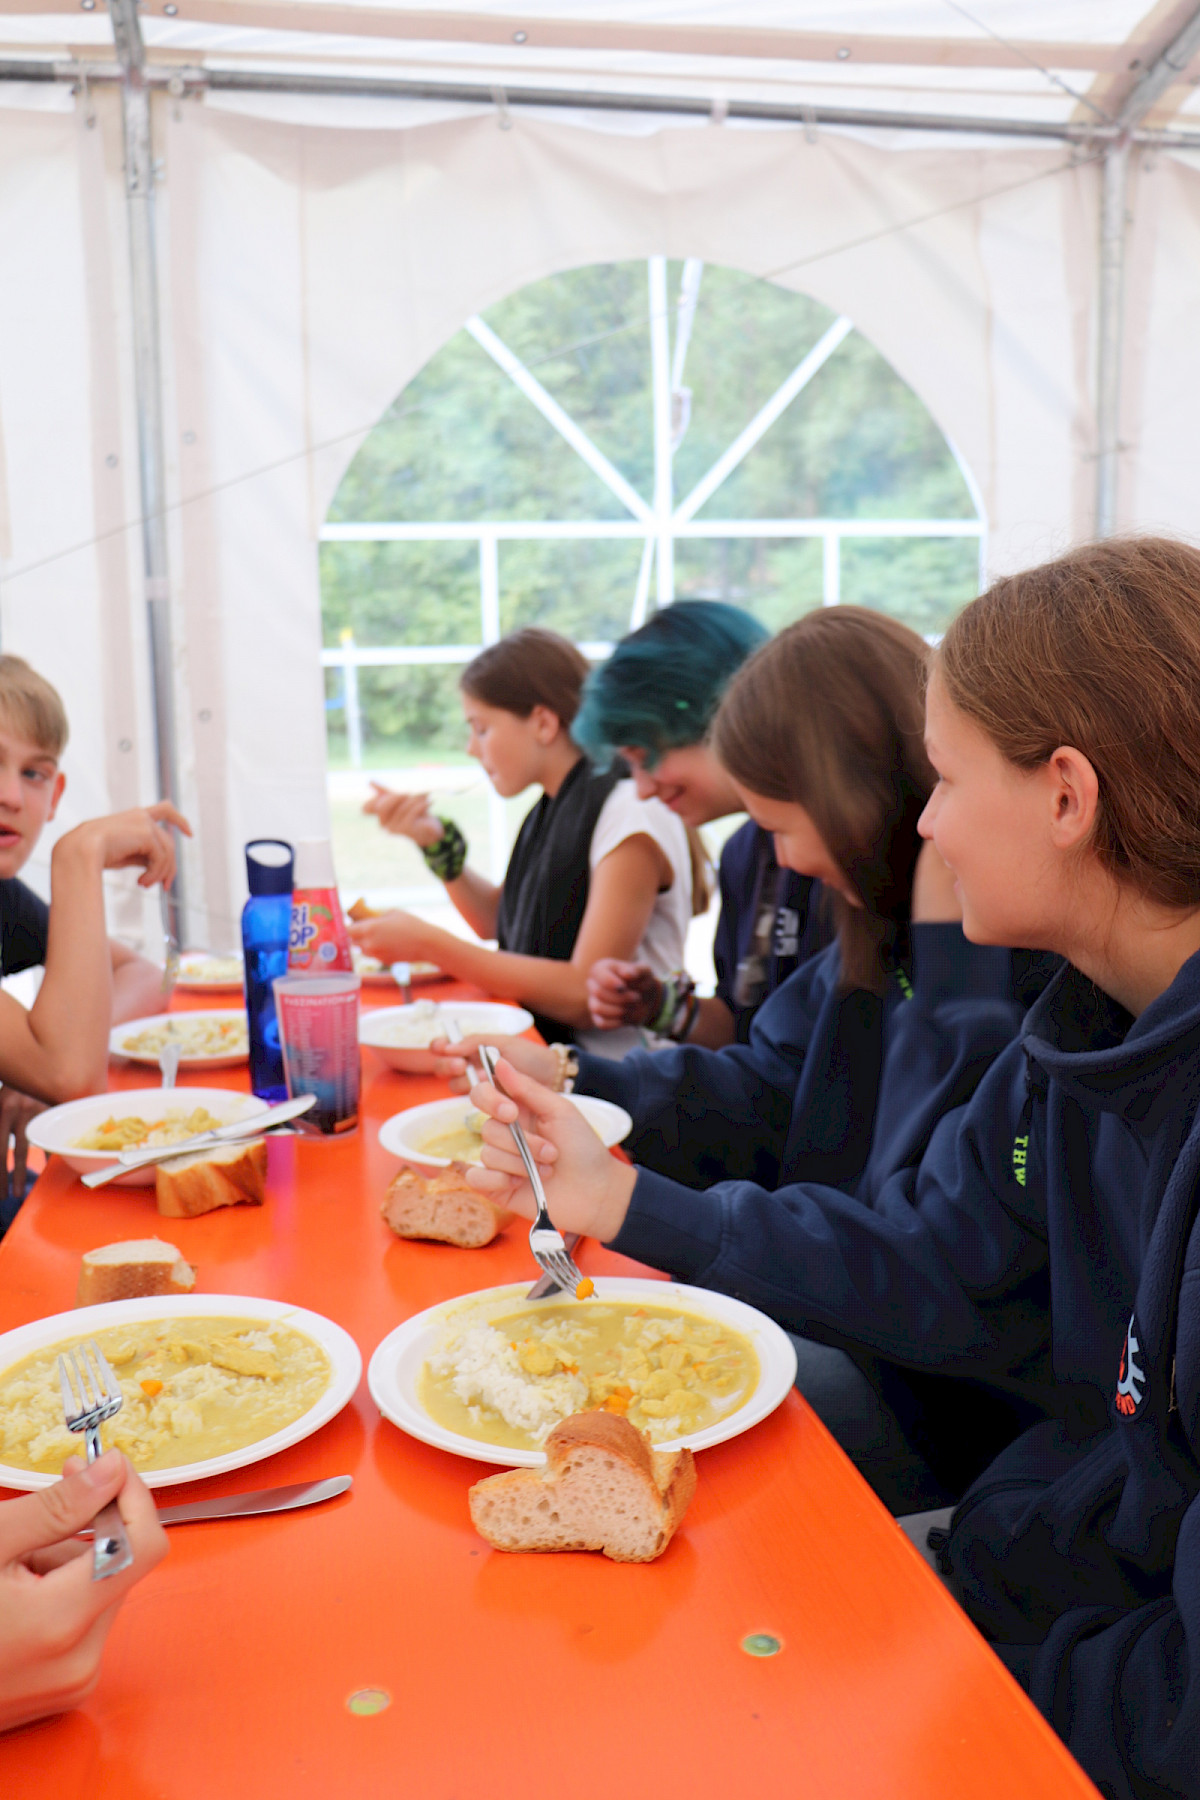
606, 441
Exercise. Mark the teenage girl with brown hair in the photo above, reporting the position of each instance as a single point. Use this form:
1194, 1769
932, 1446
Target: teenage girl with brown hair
1050, 1235
595, 872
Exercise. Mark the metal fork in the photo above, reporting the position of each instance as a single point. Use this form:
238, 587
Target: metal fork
91, 1393
167, 912
549, 1251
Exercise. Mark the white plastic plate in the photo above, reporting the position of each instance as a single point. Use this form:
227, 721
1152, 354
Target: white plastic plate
120, 1036
394, 1370
55, 1131
85, 1321
471, 1017
404, 1132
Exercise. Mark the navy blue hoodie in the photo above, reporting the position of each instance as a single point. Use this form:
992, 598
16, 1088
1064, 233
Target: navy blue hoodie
1048, 1236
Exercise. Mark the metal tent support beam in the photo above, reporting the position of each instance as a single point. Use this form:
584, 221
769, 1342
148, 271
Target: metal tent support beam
1167, 68
139, 195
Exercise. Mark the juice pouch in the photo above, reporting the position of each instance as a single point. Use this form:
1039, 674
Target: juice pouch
318, 943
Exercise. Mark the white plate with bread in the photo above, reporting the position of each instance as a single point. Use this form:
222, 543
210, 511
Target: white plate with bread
395, 1370
452, 1125
401, 1035
207, 1040
59, 1130
345, 1369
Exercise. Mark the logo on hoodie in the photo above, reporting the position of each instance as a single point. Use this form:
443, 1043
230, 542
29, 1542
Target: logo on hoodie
1131, 1381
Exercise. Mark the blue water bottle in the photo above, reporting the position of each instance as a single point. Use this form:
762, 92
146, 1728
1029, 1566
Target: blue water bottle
266, 920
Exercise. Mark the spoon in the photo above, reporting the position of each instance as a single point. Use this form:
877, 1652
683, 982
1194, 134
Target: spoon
402, 976
168, 1062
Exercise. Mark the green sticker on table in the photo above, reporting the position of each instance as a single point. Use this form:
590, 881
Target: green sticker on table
368, 1701
761, 1643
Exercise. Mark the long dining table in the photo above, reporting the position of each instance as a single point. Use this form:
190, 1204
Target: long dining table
790, 1641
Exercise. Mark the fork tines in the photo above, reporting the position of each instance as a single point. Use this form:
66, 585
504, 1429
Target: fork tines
90, 1390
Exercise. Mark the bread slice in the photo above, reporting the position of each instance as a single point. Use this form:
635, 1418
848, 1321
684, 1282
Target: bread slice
441, 1206
361, 911
199, 1183
603, 1488
128, 1271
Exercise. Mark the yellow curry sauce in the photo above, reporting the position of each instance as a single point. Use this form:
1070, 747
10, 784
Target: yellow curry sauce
509, 1380
194, 1388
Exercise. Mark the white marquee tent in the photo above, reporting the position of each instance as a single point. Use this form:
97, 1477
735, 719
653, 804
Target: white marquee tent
232, 230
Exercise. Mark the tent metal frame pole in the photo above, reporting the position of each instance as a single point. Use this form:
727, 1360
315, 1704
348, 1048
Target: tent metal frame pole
1167, 68
147, 361
1114, 194
184, 79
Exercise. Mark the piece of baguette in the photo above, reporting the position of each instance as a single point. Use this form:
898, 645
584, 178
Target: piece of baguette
130, 1270
603, 1488
199, 1183
441, 1206
360, 911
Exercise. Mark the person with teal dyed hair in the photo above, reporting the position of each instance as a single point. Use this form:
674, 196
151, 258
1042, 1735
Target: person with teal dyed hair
651, 704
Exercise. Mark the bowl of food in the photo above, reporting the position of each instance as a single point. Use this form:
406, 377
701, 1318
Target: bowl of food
210, 1383
203, 972
449, 1131
401, 1035
90, 1134
206, 1040
489, 1375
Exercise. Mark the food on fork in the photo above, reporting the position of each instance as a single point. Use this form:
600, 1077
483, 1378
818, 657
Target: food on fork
226, 1175
441, 1206
603, 1488
130, 1270
128, 1132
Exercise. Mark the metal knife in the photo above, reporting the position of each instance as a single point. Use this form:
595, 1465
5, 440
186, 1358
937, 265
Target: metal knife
254, 1126
266, 1500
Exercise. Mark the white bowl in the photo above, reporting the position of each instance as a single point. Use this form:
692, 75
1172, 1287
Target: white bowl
471, 1017
341, 1349
56, 1131
122, 1035
403, 1134
394, 1372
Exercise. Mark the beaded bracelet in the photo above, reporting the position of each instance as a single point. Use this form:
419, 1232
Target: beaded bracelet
677, 991
568, 1068
447, 858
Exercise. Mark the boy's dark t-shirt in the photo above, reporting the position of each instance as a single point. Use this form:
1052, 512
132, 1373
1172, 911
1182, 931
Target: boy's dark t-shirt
24, 925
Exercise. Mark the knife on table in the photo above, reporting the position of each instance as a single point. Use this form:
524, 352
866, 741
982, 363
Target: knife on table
254, 1126
266, 1500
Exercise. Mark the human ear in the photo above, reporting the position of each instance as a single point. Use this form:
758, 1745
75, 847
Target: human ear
1074, 796
546, 724
56, 794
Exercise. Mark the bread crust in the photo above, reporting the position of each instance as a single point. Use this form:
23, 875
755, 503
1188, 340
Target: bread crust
561, 1507
133, 1270
441, 1207
190, 1185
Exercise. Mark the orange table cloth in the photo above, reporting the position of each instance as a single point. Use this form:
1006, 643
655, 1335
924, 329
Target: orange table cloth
375, 1646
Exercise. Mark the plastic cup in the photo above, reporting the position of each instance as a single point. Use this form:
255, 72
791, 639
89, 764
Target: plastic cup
318, 1032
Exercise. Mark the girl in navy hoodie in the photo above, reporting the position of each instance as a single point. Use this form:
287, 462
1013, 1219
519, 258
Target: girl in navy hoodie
855, 1057
1049, 1233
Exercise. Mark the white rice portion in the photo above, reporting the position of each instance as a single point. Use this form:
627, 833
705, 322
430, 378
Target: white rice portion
486, 1372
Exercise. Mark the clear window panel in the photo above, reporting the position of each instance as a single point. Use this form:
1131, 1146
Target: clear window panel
923, 581
392, 594
585, 589
776, 579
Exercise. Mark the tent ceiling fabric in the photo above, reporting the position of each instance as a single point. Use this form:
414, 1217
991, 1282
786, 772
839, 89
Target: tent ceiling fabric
314, 251
1046, 61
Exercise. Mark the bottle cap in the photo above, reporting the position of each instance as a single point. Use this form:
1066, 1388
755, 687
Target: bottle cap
269, 866
314, 864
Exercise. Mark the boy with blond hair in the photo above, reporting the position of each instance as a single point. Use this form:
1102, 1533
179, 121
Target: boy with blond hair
58, 1049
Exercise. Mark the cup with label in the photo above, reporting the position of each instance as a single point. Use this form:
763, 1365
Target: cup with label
318, 1031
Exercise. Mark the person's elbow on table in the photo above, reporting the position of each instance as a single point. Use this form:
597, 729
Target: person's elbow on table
54, 1618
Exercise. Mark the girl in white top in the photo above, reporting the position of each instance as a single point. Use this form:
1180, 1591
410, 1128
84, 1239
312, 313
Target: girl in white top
593, 866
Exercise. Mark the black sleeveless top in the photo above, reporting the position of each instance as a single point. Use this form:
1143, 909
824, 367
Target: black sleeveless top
546, 883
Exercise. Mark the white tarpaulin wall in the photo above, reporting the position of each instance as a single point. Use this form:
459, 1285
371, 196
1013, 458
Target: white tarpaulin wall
309, 270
